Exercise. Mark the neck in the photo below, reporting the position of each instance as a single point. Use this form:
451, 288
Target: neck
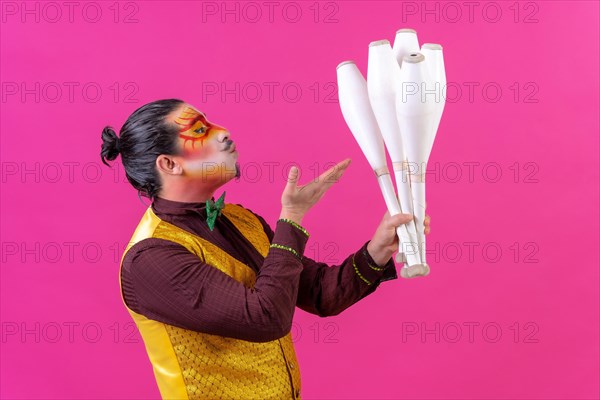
188, 193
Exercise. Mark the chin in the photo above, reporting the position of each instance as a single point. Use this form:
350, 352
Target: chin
231, 171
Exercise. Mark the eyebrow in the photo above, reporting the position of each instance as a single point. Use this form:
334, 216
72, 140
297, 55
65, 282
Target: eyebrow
189, 122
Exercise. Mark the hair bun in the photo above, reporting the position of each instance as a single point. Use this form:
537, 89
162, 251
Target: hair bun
110, 145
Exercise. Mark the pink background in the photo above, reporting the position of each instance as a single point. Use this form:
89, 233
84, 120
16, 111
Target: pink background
532, 309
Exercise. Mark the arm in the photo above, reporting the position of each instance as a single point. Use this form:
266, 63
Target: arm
172, 285
328, 290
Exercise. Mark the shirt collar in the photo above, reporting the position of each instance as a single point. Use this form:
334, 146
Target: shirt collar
171, 207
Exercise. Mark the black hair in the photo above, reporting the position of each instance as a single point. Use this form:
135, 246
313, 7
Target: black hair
145, 135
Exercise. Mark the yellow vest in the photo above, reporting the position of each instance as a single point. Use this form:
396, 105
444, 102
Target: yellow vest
195, 365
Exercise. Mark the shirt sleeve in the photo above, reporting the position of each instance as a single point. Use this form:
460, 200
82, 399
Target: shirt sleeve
174, 286
327, 290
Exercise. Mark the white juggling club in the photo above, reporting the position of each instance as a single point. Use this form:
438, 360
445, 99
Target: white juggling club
357, 112
415, 117
405, 43
382, 81
434, 59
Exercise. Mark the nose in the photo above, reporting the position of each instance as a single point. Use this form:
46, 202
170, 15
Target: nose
224, 136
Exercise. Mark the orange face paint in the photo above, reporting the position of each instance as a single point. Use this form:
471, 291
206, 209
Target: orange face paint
201, 153
194, 130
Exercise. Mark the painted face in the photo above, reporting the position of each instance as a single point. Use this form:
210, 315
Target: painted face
194, 130
204, 156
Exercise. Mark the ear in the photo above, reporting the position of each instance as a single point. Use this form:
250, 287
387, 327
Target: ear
169, 165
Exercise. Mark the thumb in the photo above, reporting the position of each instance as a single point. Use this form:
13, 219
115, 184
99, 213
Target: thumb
399, 219
292, 180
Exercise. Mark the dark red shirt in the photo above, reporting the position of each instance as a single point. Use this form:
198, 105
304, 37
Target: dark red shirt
163, 281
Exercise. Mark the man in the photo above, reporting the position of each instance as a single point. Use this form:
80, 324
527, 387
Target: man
211, 287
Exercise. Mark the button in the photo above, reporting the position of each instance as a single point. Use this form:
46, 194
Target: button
291, 364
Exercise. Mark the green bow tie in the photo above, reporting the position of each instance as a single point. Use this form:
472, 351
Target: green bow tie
213, 210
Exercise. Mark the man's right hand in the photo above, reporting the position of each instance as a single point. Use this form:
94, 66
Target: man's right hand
297, 200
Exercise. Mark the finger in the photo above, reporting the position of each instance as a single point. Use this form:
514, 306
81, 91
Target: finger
399, 219
427, 230
292, 180
427, 221
329, 177
334, 173
400, 258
